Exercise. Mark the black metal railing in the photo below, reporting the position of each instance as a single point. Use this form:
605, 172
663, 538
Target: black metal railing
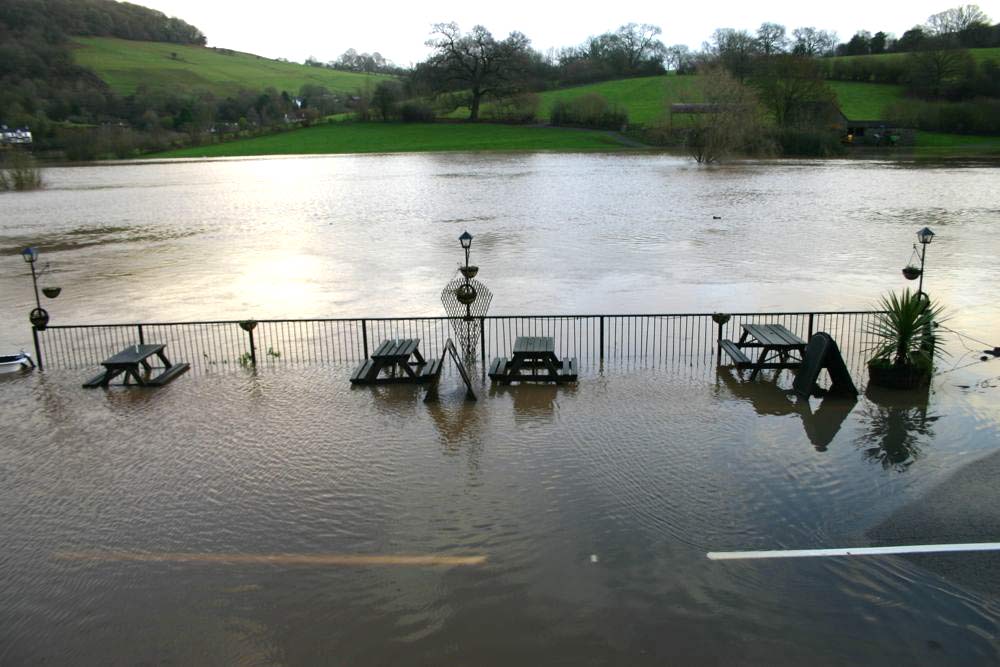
662, 339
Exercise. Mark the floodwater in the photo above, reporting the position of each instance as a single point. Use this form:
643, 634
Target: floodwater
281, 517
228, 519
370, 236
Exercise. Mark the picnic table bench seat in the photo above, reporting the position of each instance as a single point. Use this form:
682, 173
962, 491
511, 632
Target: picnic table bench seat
533, 359
393, 356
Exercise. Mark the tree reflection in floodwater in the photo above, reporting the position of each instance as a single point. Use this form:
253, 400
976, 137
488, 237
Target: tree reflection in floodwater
896, 427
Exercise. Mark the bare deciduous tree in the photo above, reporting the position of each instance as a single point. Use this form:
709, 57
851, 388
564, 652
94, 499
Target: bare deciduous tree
956, 19
476, 62
771, 38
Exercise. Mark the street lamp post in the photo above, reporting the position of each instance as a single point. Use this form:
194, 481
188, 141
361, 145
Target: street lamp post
39, 317
925, 236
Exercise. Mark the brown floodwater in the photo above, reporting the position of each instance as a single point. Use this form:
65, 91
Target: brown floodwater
281, 516
369, 236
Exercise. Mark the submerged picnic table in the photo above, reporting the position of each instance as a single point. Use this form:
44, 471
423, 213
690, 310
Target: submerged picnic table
393, 356
129, 360
537, 355
776, 343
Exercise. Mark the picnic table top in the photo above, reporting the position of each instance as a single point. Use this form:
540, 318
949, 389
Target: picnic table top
530, 344
396, 348
133, 354
773, 335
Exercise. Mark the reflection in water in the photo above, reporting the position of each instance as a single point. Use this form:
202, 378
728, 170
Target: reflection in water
533, 401
769, 398
897, 425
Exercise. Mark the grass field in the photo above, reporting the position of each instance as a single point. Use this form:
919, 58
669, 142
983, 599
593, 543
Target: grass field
405, 138
125, 64
938, 144
865, 101
644, 98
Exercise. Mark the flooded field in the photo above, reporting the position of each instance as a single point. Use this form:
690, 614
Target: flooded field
282, 517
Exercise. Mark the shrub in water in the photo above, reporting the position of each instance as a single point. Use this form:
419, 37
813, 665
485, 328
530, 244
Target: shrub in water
18, 171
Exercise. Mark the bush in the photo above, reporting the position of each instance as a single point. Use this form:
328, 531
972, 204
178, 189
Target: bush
979, 116
808, 142
416, 112
18, 171
516, 109
590, 110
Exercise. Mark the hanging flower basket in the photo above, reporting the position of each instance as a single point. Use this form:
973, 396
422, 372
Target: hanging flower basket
469, 271
720, 318
248, 325
51, 292
911, 272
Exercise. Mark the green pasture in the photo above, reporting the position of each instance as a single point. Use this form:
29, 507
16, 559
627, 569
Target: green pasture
408, 137
125, 64
939, 144
865, 101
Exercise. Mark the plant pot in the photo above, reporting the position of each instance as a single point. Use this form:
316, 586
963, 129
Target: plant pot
911, 272
248, 325
51, 292
720, 318
898, 377
469, 271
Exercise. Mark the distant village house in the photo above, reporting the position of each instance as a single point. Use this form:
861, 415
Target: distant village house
18, 136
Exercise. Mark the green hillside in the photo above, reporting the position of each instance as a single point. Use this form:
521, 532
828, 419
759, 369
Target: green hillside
125, 64
645, 98
978, 55
408, 137
865, 101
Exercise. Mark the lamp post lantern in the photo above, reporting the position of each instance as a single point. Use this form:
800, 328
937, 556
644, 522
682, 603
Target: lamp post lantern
468, 295
39, 317
925, 236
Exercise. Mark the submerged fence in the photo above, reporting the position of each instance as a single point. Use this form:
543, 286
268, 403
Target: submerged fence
688, 339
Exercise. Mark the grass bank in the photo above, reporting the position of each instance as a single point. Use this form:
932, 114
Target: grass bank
939, 144
407, 138
865, 101
125, 64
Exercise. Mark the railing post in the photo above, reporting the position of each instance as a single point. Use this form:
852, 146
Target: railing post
482, 340
602, 339
38, 348
253, 350
810, 326
364, 336
718, 344
142, 340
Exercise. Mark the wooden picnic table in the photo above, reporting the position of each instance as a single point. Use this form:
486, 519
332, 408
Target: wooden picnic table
537, 355
128, 363
400, 361
779, 348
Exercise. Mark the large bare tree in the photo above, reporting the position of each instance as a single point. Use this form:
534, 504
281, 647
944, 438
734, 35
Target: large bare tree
476, 62
956, 19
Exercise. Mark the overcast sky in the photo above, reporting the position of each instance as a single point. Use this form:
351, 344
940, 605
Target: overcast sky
398, 29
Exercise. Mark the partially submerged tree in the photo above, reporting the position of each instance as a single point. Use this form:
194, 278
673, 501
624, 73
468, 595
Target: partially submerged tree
793, 90
475, 62
730, 120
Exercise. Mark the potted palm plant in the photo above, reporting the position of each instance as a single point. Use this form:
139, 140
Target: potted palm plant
907, 342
